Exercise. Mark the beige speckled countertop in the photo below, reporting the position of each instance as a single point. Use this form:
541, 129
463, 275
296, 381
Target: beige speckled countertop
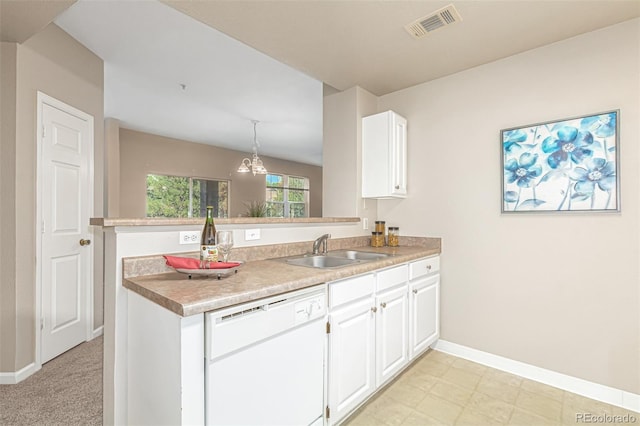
257, 279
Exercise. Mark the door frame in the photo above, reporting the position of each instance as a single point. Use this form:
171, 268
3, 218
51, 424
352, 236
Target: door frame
43, 99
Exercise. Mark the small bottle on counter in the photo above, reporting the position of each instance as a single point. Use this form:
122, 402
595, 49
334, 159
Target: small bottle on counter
208, 248
393, 236
380, 228
377, 239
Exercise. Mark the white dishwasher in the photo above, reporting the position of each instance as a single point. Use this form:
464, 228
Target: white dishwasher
265, 361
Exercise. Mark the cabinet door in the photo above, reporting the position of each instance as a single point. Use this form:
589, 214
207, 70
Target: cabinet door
392, 333
424, 313
398, 145
384, 155
351, 350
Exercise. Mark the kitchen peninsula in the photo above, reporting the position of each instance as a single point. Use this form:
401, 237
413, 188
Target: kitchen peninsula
135, 275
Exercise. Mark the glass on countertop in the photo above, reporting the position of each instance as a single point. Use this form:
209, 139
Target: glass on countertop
225, 243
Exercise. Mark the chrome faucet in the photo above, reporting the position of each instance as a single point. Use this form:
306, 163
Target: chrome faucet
321, 240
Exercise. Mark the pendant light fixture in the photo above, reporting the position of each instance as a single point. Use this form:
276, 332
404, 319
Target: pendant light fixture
254, 165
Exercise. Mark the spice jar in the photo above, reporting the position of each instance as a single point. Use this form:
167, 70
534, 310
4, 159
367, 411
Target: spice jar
377, 239
393, 236
380, 226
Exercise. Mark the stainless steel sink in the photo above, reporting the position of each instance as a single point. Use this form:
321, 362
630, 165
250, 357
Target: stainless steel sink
321, 261
334, 259
357, 255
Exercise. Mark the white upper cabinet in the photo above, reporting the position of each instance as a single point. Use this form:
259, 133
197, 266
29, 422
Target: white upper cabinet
384, 156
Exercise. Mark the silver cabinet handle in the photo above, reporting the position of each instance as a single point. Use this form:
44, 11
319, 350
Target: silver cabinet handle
383, 304
415, 291
374, 309
428, 267
397, 186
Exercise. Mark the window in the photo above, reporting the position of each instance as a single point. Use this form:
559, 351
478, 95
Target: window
177, 196
287, 196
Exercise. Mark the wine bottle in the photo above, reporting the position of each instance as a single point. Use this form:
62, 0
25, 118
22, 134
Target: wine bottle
208, 248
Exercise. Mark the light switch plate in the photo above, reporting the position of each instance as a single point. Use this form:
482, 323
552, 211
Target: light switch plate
251, 234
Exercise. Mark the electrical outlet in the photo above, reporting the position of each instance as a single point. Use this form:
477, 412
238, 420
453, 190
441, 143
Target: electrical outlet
251, 234
365, 223
189, 237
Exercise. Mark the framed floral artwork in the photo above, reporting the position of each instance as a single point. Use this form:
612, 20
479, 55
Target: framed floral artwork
565, 165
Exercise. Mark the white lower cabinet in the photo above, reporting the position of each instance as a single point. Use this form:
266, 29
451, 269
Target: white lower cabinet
351, 353
392, 329
377, 323
351, 366
424, 295
392, 333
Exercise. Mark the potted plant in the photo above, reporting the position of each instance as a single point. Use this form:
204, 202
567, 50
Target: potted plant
256, 209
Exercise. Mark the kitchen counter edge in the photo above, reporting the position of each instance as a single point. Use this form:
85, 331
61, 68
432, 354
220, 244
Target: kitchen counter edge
255, 280
160, 221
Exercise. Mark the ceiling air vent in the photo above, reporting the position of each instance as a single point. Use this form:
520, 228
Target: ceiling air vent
434, 21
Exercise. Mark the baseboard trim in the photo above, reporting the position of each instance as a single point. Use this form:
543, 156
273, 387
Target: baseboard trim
97, 332
18, 376
617, 397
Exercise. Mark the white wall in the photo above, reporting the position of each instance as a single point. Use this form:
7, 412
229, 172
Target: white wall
112, 167
339, 154
559, 291
342, 154
8, 328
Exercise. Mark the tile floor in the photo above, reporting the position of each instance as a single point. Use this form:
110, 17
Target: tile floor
441, 389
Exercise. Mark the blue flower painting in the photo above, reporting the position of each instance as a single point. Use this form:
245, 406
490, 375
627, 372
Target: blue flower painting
568, 165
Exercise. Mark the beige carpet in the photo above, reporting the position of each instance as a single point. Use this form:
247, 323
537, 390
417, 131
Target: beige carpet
66, 391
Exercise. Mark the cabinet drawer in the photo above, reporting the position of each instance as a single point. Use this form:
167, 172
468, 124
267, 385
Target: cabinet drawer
422, 267
391, 277
344, 291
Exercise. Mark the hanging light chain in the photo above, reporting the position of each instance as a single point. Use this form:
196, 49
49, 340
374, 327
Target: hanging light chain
254, 165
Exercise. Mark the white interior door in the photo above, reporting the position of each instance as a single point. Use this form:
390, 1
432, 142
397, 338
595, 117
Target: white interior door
66, 254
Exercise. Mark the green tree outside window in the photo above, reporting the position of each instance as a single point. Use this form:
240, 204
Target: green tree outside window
178, 196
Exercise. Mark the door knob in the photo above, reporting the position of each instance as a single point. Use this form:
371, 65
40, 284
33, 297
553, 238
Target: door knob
84, 242
374, 309
383, 304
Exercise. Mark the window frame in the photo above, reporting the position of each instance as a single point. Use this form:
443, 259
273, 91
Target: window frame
286, 203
